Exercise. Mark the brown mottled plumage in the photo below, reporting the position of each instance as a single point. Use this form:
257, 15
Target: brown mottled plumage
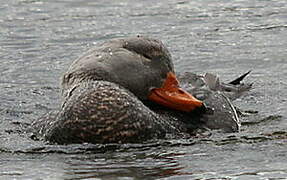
106, 113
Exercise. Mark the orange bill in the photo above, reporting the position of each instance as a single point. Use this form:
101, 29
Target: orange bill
172, 96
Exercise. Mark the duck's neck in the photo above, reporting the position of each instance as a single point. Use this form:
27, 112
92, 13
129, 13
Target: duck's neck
188, 118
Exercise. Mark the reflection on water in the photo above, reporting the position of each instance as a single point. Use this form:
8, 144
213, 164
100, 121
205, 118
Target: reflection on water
230, 155
40, 39
138, 165
103, 161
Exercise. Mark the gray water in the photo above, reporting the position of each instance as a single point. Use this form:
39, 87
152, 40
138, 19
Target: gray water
39, 39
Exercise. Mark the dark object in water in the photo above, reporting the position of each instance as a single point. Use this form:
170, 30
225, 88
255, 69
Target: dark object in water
239, 79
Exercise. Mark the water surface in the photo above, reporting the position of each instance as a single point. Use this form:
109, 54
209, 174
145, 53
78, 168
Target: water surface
39, 39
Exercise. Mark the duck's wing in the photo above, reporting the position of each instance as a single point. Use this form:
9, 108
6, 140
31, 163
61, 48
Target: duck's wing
223, 115
232, 90
217, 96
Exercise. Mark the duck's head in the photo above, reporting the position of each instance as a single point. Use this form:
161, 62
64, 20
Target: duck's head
139, 64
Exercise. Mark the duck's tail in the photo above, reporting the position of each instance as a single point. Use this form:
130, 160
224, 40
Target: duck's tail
236, 88
239, 79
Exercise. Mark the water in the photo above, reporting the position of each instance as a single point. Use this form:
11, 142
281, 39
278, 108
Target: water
39, 40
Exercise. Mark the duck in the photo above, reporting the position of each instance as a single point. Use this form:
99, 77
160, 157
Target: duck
126, 91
